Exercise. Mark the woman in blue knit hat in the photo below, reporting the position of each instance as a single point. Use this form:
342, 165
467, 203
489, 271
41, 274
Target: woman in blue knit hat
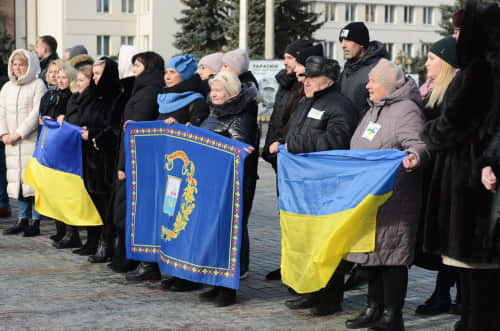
183, 98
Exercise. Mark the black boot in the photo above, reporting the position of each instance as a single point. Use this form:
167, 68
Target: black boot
392, 320
20, 226
144, 271
210, 295
60, 231
304, 301
274, 275
182, 285
226, 297
367, 318
438, 303
33, 229
103, 253
330, 301
70, 240
90, 246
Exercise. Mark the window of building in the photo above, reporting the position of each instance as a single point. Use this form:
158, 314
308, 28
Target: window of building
147, 6
102, 45
329, 49
389, 14
329, 11
425, 49
370, 13
427, 19
350, 10
128, 6
408, 15
407, 48
390, 48
145, 40
127, 40
103, 6
310, 8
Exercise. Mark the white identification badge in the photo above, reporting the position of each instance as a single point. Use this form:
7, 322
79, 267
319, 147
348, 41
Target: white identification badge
371, 130
316, 114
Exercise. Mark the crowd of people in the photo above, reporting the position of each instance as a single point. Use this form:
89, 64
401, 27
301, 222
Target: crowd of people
443, 214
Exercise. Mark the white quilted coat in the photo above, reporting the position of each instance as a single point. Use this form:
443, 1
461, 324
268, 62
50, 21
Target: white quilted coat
19, 102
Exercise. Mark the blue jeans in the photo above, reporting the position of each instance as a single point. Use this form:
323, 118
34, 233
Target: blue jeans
26, 208
4, 198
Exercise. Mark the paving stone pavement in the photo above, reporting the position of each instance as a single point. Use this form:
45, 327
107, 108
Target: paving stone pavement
42, 288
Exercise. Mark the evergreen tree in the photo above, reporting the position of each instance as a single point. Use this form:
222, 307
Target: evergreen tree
292, 22
202, 26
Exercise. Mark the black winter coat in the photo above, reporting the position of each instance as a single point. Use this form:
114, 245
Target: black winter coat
458, 209
195, 112
324, 122
44, 65
142, 105
287, 86
54, 102
354, 77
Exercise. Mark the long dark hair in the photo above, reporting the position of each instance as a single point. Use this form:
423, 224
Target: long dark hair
151, 61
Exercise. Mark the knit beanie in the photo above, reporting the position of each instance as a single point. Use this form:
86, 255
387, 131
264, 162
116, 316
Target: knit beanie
388, 75
229, 81
297, 46
77, 50
213, 61
237, 59
185, 65
357, 32
316, 50
446, 49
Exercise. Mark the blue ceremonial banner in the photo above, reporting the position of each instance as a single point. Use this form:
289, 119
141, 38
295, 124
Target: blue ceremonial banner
184, 201
328, 207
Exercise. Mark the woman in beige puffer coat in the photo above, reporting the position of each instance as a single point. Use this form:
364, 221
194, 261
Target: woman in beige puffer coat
19, 102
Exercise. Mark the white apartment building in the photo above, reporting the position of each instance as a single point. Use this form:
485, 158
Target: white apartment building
408, 25
103, 25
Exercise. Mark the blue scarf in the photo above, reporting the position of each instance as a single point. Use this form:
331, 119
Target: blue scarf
170, 102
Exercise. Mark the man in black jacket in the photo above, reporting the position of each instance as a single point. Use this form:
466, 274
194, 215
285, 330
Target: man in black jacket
362, 55
288, 84
325, 120
46, 49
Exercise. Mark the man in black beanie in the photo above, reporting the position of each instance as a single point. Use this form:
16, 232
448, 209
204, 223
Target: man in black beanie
361, 55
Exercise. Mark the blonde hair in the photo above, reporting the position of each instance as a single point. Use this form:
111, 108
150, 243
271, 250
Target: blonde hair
58, 63
86, 70
445, 76
101, 63
70, 72
229, 81
21, 57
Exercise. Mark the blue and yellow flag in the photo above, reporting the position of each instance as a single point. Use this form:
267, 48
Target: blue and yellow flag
328, 207
56, 173
184, 201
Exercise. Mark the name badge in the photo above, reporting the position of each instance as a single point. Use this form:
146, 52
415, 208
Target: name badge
316, 114
371, 130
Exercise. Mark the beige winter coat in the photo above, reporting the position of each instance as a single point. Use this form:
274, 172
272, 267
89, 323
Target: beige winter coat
19, 102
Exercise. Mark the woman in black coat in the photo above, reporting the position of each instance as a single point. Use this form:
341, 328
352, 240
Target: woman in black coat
233, 113
142, 106
458, 209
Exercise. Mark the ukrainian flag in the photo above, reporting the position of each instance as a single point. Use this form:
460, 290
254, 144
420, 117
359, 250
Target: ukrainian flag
56, 173
328, 207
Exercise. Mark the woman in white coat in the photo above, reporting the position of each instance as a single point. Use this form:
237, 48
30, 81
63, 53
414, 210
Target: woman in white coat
19, 102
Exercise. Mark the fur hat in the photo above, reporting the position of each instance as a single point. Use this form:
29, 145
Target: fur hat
388, 75
213, 61
185, 65
229, 81
357, 32
237, 59
297, 46
81, 60
446, 49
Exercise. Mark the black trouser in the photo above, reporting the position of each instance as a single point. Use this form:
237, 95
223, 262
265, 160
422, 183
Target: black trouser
387, 285
333, 292
100, 201
480, 299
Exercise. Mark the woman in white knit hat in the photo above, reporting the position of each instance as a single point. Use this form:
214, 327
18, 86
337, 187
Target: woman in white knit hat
238, 62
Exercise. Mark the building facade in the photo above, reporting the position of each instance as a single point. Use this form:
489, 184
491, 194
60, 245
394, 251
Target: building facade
402, 25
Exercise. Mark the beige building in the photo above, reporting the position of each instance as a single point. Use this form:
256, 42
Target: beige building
101, 25
406, 25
